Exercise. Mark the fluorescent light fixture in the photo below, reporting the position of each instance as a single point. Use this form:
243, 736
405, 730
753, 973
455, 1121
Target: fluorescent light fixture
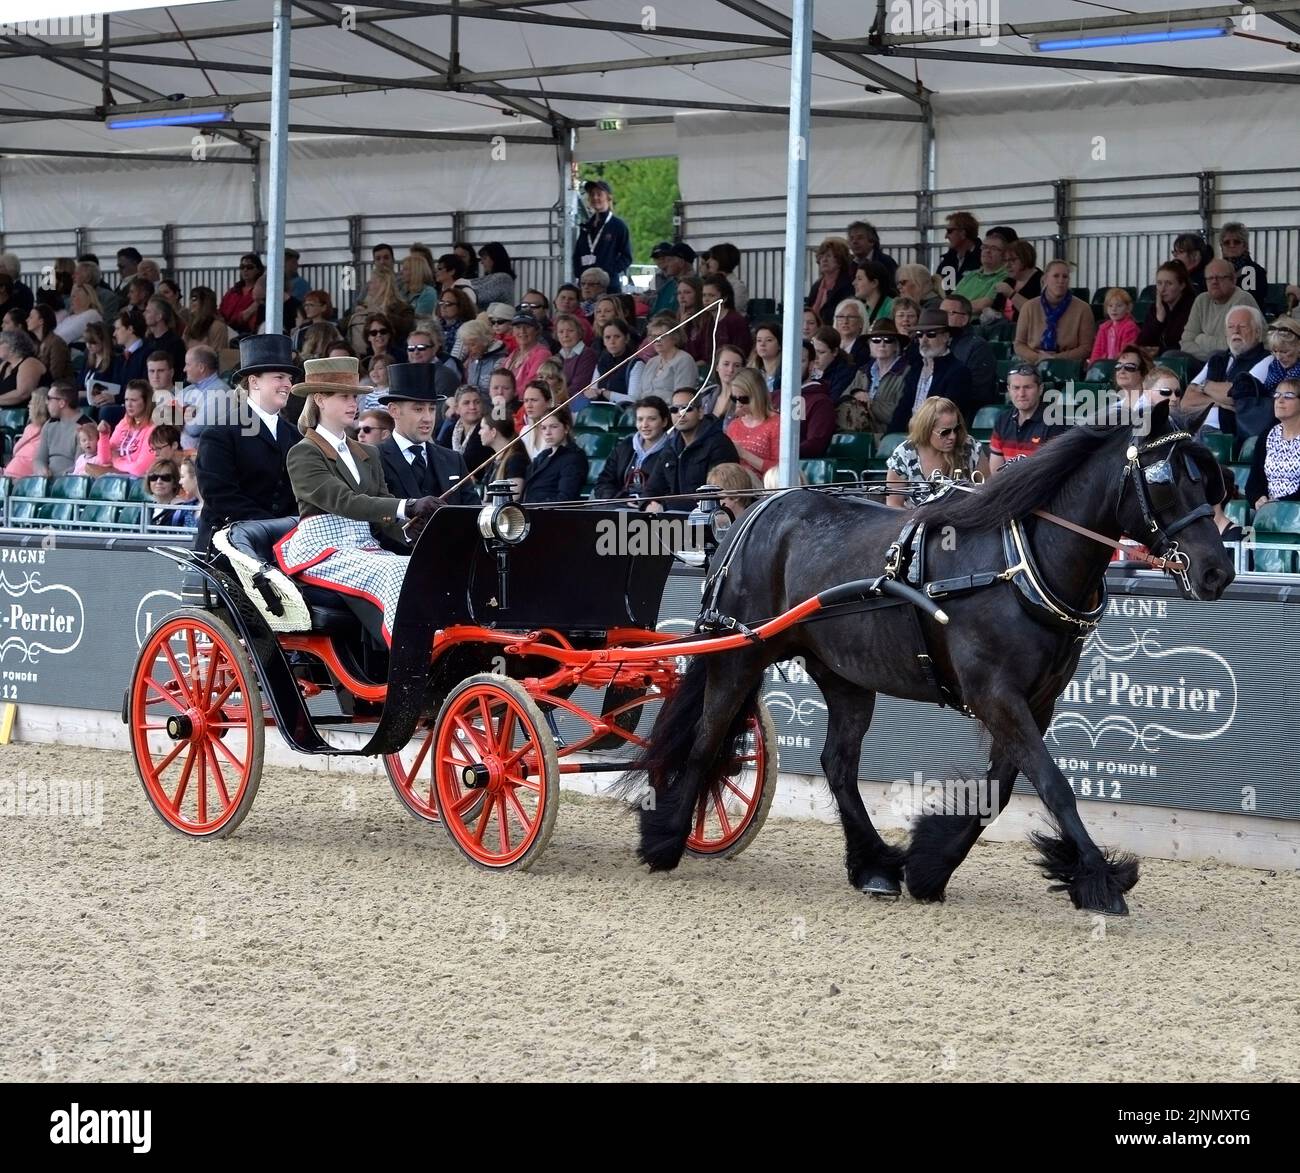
191, 118
1145, 36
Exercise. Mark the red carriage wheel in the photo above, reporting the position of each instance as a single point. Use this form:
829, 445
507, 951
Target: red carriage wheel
497, 772
410, 771
197, 726
734, 804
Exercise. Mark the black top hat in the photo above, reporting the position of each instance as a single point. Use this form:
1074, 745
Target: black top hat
410, 382
260, 354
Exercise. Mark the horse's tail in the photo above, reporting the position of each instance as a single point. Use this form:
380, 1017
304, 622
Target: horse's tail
665, 753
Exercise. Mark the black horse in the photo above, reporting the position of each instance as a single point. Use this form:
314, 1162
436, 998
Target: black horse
1007, 652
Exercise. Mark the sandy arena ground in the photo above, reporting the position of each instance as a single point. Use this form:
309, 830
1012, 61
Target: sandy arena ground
335, 938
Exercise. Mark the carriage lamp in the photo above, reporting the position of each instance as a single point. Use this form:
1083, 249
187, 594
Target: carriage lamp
709, 513
501, 520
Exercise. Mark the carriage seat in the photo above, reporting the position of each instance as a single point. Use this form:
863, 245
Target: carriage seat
250, 548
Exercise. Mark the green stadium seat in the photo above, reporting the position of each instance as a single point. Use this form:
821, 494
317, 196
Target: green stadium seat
760, 307
1004, 367
63, 511
1181, 366
1083, 293
127, 515
1238, 512
98, 515
1103, 371
1272, 301
594, 468
1277, 524
110, 487
136, 490
1240, 474
597, 445
1148, 293
13, 420
20, 507
985, 420
1141, 308
1000, 347
852, 450
600, 416
1059, 370
1221, 444
818, 472
70, 488
1247, 453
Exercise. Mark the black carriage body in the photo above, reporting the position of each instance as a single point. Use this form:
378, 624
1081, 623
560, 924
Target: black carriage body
568, 575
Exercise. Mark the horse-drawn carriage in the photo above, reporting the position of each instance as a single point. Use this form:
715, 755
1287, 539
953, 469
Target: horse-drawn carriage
503, 616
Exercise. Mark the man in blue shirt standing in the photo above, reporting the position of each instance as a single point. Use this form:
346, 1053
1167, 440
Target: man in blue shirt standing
603, 241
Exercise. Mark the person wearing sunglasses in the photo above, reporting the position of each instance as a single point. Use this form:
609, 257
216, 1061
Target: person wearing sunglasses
163, 485
374, 426
872, 397
755, 429
1234, 245
1022, 428
454, 309
424, 345
1275, 465
937, 441
1131, 370
696, 444
933, 371
239, 309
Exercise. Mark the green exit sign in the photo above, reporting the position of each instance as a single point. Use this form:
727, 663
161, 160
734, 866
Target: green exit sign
609, 124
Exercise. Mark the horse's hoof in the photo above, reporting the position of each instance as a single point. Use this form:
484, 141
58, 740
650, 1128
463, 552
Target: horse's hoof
1114, 905
880, 885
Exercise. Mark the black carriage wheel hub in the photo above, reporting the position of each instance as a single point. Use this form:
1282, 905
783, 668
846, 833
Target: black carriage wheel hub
179, 727
474, 777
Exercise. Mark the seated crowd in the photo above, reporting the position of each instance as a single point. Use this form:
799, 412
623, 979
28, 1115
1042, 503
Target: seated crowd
945, 371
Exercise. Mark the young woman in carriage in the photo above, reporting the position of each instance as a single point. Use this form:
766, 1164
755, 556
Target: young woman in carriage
344, 503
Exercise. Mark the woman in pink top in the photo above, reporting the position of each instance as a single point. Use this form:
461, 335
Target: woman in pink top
22, 460
1118, 330
756, 429
127, 449
530, 350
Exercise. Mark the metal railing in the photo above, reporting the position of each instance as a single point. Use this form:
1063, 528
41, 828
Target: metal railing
78, 523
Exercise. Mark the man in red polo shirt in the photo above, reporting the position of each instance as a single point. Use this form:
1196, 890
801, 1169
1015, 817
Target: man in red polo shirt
1021, 429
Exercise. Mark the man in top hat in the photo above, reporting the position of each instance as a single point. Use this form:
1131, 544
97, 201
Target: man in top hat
414, 466
603, 241
241, 462
343, 503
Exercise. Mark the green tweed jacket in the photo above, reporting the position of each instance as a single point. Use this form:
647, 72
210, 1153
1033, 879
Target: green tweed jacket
322, 484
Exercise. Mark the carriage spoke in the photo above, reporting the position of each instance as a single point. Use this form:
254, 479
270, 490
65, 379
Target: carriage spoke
177, 674
217, 775
485, 816
503, 816
171, 757
520, 813
489, 737
524, 781
203, 788
192, 651
472, 735
736, 790
463, 804
162, 692
420, 757
225, 749
185, 777
716, 792
214, 705
503, 734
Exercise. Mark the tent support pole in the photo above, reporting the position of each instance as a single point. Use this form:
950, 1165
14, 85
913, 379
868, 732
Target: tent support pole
279, 167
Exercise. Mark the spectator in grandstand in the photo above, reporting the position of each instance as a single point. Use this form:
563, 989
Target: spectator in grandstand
1056, 324
617, 366
170, 292
125, 448
1283, 342
417, 279
627, 469
937, 441
129, 333
128, 263
907, 313
971, 350
979, 286
723, 260
498, 435
1021, 429
20, 293
149, 270
500, 318
874, 289
317, 307
916, 284
1167, 319
737, 487
963, 255
814, 409
568, 300
376, 380
162, 482
831, 364
160, 373
503, 395
87, 449
1205, 331
64, 270
1195, 254
1023, 282
577, 358
535, 303
89, 273
100, 363
316, 340
873, 395
558, 471
530, 351
481, 352
935, 373
811, 323
1161, 384
603, 239
675, 262
381, 338
297, 285
864, 246
10, 310
454, 309
552, 370
1118, 330
83, 308
160, 324
766, 358
384, 300
190, 491
498, 280
165, 443
697, 334
593, 284
536, 400
239, 309
1211, 399
382, 257
21, 371
1132, 367
697, 443
732, 329
374, 426
459, 431
56, 451
716, 401
51, 349
206, 398
1234, 244
1275, 465
835, 279
424, 344
138, 291
667, 367
22, 461
449, 274
205, 325
755, 429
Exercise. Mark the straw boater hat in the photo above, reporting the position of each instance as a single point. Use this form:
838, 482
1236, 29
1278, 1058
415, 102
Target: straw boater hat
330, 376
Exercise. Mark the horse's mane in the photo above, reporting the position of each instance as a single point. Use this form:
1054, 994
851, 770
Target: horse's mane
1023, 486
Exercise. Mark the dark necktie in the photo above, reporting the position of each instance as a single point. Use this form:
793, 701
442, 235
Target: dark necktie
419, 467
